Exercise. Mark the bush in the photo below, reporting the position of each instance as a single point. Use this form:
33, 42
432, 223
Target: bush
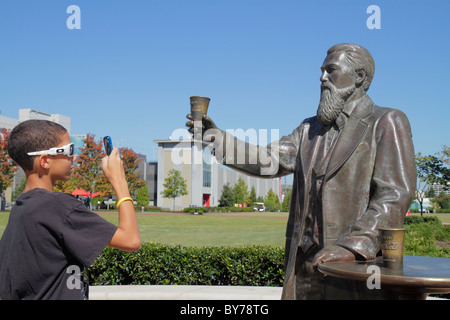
177, 265
421, 219
421, 235
193, 210
138, 208
217, 209
247, 266
436, 210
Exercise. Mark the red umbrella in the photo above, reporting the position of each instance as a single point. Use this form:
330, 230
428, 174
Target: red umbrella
81, 192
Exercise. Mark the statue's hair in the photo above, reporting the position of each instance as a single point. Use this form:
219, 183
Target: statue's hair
357, 58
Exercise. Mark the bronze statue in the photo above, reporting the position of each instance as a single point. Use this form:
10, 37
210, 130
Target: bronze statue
354, 171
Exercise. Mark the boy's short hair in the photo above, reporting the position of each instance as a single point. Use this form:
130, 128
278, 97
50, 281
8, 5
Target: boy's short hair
33, 135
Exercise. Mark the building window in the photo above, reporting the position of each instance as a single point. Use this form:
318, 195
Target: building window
206, 167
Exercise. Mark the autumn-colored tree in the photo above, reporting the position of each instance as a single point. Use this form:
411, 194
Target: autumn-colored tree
131, 163
88, 172
7, 166
67, 186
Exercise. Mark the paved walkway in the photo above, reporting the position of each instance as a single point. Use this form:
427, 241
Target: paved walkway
165, 292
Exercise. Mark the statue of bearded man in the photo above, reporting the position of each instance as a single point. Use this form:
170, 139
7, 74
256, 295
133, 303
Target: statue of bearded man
354, 172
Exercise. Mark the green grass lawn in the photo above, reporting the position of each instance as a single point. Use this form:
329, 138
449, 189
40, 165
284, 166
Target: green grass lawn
211, 229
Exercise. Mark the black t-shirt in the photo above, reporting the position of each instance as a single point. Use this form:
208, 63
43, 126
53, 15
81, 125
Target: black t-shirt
49, 239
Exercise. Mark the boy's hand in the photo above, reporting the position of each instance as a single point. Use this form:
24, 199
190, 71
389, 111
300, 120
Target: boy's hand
127, 236
112, 167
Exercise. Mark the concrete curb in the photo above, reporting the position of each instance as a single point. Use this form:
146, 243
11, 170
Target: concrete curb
166, 292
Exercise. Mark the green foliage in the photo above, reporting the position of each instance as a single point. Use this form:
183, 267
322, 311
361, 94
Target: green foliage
249, 266
286, 201
142, 197
251, 197
422, 234
88, 173
431, 169
177, 265
227, 197
19, 189
174, 186
421, 219
272, 202
220, 209
192, 210
442, 201
240, 191
7, 165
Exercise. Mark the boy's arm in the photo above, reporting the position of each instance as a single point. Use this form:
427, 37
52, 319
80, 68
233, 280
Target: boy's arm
127, 236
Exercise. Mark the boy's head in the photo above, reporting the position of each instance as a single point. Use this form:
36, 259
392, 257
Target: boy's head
33, 135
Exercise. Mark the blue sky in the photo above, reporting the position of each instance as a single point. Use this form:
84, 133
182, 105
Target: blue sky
131, 68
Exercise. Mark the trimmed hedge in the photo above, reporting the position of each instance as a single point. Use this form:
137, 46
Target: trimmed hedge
247, 266
218, 209
177, 265
421, 219
435, 211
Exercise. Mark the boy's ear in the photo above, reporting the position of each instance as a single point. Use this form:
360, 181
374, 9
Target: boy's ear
44, 161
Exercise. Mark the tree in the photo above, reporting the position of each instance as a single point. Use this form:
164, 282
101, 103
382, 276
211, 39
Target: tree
227, 196
240, 191
131, 163
442, 201
142, 197
174, 186
272, 202
67, 186
19, 189
88, 172
252, 196
445, 154
7, 166
430, 169
285, 206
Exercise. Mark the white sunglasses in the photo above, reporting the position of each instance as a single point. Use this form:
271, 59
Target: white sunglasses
67, 150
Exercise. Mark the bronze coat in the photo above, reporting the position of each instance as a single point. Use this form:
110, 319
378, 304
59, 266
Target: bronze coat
369, 181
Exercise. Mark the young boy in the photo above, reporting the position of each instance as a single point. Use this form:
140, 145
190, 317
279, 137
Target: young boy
51, 236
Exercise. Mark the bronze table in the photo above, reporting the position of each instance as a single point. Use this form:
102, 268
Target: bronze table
419, 277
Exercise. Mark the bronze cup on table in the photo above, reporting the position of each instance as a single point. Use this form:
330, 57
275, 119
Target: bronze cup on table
392, 243
199, 107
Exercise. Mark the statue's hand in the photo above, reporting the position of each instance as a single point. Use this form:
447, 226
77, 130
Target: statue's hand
207, 123
333, 253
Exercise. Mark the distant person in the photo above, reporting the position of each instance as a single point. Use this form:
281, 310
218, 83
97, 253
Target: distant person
51, 237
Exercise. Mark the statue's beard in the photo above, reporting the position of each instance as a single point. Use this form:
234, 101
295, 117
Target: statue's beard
332, 101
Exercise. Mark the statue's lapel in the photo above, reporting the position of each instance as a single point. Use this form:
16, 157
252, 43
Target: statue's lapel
350, 136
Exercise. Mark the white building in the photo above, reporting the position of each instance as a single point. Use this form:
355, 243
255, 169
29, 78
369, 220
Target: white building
204, 176
28, 114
